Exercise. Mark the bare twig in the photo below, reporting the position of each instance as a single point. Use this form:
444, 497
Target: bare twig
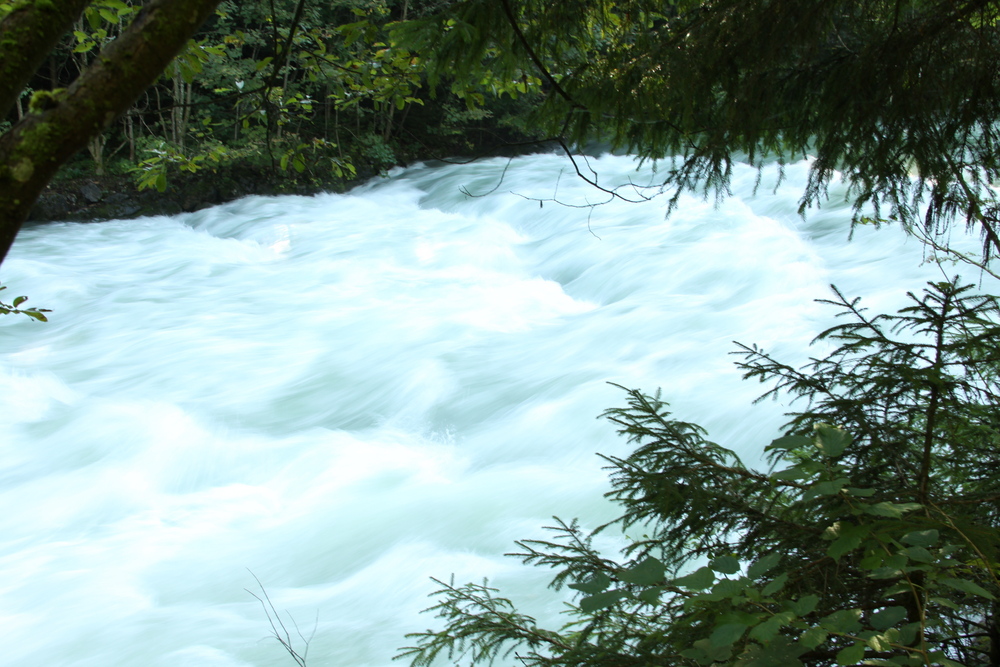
278, 629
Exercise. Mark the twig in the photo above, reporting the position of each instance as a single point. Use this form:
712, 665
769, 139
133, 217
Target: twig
283, 636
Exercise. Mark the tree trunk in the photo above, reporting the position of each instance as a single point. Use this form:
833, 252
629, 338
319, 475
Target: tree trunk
32, 151
27, 36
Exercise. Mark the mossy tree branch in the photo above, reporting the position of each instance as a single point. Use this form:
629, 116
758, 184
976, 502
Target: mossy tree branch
32, 151
27, 35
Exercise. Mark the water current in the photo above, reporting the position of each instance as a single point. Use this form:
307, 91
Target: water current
345, 395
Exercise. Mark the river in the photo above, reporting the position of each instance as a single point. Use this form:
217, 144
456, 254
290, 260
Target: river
345, 395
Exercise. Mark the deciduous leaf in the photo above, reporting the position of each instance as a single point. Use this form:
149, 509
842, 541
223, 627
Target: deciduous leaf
842, 545
698, 580
725, 565
595, 584
892, 510
845, 621
650, 571
790, 442
851, 655
921, 538
705, 653
832, 441
828, 488
600, 601
967, 586
879, 643
767, 630
763, 565
813, 637
918, 554
726, 634
888, 617
804, 605
776, 585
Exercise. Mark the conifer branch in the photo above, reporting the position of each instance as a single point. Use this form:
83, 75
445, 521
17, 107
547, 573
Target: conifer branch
543, 70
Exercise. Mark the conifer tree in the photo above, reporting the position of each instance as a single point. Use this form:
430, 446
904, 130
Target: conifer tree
901, 97
873, 539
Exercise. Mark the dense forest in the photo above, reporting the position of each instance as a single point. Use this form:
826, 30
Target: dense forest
276, 96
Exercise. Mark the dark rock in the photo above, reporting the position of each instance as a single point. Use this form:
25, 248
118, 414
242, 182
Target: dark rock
52, 206
91, 193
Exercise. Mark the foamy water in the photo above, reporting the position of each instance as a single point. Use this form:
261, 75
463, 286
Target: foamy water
348, 394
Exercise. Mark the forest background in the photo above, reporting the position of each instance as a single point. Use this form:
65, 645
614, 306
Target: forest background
341, 106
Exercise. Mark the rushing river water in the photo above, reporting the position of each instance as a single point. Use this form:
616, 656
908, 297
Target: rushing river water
345, 395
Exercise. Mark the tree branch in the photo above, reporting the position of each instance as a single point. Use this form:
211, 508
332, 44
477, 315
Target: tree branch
534, 57
27, 35
32, 151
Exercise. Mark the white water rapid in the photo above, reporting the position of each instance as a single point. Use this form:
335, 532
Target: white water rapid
349, 394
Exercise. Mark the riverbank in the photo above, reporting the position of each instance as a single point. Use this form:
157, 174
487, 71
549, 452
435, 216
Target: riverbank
93, 198
117, 196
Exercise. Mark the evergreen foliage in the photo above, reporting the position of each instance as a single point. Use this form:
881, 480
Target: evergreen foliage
900, 97
873, 539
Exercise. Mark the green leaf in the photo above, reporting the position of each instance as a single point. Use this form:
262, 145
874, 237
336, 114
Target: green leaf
595, 584
775, 586
851, 655
19, 300
651, 595
791, 474
879, 643
650, 571
704, 653
921, 538
845, 621
842, 545
767, 630
790, 442
944, 602
828, 488
892, 510
804, 605
813, 637
726, 634
888, 617
918, 554
600, 601
967, 586
939, 658
725, 565
832, 441
698, 580
728, 588
763, 564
